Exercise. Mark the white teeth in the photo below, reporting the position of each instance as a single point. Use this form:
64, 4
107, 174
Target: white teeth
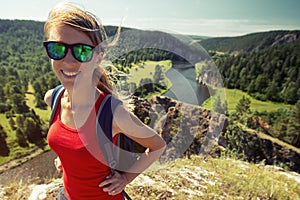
70, 73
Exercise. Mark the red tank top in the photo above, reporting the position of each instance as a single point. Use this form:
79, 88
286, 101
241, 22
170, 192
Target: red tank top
83, 164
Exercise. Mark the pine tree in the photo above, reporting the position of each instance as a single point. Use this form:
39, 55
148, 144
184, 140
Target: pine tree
33, 131
293, 129
243, 111
21, 138
4, 150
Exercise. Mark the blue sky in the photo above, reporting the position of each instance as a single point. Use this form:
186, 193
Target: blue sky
197, 17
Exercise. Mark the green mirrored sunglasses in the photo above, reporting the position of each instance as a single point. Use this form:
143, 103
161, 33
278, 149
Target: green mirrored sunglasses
58, 50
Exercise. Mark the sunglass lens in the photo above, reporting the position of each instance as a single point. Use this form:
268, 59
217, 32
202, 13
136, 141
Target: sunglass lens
83, 53
56, 51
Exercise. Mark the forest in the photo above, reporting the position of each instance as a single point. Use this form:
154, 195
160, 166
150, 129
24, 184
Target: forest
265, 65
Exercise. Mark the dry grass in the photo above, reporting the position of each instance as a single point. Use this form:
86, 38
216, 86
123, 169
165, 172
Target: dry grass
215, 179
198, 178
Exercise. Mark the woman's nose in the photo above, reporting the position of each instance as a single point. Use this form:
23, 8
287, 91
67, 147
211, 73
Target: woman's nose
69, 56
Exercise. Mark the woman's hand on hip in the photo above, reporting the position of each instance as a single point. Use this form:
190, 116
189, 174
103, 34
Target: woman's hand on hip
114, 184
58, 165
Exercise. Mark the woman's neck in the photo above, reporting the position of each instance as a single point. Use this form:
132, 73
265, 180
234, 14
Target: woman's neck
78, 99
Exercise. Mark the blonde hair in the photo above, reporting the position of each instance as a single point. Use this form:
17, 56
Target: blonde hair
76, 17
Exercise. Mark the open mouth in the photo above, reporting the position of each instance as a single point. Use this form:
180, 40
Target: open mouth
69, 74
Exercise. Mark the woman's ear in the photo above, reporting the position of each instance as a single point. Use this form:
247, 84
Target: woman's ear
99, 57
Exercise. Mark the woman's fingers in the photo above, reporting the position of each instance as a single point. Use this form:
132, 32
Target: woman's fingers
58, 165
114, 185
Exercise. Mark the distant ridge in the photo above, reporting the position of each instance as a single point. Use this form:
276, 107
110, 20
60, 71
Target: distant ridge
250, 42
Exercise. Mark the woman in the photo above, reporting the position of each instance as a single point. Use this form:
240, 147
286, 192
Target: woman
75, 46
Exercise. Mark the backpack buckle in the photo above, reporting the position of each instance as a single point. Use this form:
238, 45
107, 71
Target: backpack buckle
112, 164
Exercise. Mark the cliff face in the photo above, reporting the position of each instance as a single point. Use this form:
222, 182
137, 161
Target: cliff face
258, 147
189, 129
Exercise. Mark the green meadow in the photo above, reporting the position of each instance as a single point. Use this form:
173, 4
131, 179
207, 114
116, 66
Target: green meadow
146, 70
30, 101
233, 96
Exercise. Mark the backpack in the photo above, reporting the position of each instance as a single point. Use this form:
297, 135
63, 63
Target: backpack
116, 158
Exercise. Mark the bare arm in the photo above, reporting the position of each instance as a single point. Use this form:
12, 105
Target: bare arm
128, 124
47, 97
57, 162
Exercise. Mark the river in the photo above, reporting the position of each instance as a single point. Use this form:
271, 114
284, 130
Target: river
184, 85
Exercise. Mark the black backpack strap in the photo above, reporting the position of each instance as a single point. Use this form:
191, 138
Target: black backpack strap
55, 98
104, 132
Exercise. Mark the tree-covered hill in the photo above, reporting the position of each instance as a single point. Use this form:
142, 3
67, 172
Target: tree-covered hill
277, 60
265, 65
250, 42
22, 57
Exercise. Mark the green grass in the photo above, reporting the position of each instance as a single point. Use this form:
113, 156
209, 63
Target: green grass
30, 101
15, 150
233, 96
147, 70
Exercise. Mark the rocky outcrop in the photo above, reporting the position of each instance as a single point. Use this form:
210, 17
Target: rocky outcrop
259, 147
189, 129
287, 38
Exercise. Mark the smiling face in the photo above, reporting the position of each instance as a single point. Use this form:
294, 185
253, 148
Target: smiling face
68, 69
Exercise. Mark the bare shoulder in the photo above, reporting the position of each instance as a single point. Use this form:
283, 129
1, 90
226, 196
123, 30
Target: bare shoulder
129, 124
47, 97
123, 116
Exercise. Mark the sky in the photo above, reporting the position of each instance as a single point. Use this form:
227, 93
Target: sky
190, 17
